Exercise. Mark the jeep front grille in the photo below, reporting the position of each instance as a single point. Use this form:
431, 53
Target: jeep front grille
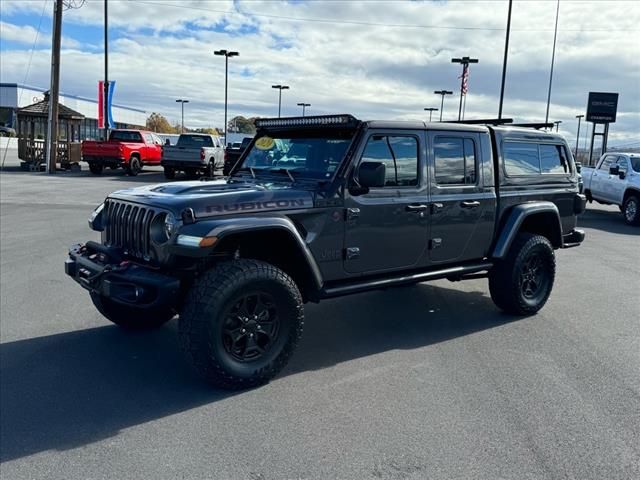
127, 227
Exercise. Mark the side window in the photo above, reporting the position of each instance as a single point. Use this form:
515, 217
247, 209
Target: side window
553, 159
622, 164
399, 156
148, 138
607, 162
521, 158
455, 161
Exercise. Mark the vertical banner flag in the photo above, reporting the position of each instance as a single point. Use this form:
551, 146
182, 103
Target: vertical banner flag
101, 120
465, 78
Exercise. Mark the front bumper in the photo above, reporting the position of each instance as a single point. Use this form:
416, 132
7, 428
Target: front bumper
573, 238
103, 270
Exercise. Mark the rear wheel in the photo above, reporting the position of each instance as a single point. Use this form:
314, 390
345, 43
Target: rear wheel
96, 168
241, 323
211, 169
131, 318
135, 165
631, 210
169, 173
522, 282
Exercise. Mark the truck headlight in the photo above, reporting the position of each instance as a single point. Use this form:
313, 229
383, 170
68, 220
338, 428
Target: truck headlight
95, 219
169, 225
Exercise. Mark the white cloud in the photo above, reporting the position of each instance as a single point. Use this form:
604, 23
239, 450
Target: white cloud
369, 66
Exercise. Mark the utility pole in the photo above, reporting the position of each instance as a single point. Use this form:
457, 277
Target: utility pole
579, 117
105, 95
431, 110
442, 93
464, 61
54, 90
553, 58
182, 102
304, 106
280, 88
226, 55
504, 63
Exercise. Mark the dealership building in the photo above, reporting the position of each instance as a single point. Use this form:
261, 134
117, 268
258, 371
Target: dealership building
15, 96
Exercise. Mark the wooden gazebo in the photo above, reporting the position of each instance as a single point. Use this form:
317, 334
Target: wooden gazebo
32, 135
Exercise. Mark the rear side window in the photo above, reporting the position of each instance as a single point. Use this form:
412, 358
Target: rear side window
399, 155
125, 136
455, 161
524, 158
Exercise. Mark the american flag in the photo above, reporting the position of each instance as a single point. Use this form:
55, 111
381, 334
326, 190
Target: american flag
465, 78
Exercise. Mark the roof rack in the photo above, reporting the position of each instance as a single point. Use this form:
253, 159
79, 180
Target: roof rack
537, 126
485, 121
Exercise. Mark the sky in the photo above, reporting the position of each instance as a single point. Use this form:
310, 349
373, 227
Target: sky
373, 59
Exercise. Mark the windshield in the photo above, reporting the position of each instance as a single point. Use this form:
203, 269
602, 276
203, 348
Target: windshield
635, 163
310, 157
195, 141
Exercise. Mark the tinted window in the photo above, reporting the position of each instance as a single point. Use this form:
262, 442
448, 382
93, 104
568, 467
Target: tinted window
607, 162
125, 136
521, 158
553, 159
399, 156
195, 141
622, 164
635, 163
455, 161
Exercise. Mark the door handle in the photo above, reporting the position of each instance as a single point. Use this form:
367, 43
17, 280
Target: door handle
416, 208
473, 204
436, 207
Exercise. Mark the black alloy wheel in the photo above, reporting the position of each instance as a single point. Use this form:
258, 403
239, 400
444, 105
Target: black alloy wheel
534, 277
250, 327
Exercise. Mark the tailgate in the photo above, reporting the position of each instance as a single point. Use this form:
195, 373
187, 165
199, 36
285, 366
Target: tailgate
101, 149
181, 154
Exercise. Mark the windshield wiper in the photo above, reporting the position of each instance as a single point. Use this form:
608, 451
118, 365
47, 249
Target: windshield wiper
253, 174
283, 170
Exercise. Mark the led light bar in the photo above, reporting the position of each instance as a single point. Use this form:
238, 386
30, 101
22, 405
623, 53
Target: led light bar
312, 121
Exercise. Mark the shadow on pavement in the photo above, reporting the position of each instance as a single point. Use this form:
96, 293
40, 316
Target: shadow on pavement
606, 220
64, 391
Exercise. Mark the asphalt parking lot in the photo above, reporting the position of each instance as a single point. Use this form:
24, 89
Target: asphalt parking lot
424, 382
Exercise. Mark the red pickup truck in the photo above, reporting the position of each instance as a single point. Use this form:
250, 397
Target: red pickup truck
129, 149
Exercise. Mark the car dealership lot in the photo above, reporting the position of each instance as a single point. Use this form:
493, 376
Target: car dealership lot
430, 381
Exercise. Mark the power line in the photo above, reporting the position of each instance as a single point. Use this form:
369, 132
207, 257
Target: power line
371, 24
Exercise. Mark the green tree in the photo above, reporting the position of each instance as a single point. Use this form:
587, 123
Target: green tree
241, 124
159, 124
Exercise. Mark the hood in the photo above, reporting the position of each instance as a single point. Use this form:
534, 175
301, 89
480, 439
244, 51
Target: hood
218, 197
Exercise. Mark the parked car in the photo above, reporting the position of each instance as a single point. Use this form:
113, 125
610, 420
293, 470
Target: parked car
6, 131
194, 153
325, 206
232, 155
129, 149
615, 180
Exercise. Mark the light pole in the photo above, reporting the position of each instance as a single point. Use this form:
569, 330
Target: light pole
280, 88
504, 63
431, 110
465, 61
442, 93
579, 117
182, 102
304, 106
557, 123
226, 55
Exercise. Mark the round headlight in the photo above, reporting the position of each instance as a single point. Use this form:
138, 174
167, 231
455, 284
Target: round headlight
169, 225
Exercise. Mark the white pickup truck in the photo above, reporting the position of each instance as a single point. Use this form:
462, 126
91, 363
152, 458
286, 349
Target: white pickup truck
193, 153
615, 180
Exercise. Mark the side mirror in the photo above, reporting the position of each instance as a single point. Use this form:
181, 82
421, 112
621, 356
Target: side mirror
614, 170
622, 174
167, 142
578, 167
371, 174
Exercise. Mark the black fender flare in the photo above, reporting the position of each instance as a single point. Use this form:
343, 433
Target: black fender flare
225, 227
516, 218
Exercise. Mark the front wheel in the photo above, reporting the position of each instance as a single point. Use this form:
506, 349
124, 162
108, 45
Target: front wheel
631, 210
241, 323
131, 318
135, 165
522, 282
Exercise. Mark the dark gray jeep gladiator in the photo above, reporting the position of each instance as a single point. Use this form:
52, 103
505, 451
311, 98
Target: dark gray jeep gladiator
319, 207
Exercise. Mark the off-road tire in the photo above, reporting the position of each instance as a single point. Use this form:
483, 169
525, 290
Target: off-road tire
135, 166
631, 210
509, 289
209, 306
131, 318
96, 168
169, 173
